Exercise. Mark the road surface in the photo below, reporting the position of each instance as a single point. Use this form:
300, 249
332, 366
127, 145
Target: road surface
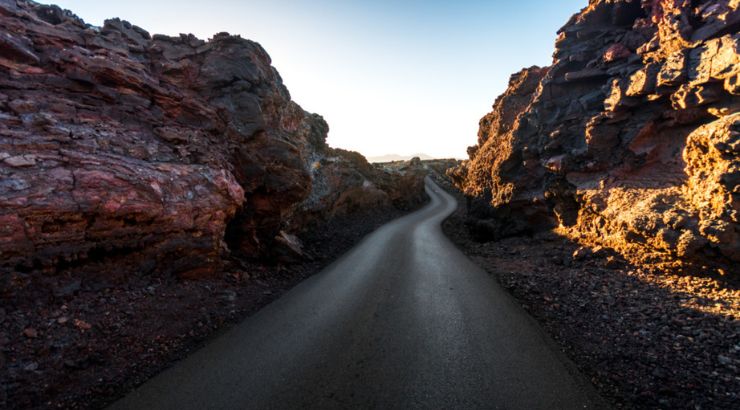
404, 320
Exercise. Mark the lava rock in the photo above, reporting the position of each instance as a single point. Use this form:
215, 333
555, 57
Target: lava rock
627, 141
123, 153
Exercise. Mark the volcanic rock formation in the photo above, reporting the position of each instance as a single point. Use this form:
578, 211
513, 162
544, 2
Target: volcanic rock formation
628, 140
162, 152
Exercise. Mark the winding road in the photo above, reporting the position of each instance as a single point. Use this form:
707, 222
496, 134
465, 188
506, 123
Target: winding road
402, 321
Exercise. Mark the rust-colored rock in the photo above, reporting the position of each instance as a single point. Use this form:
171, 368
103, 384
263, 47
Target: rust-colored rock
629, 139
126, 152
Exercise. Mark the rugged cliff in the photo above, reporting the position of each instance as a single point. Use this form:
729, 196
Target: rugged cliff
628, 140
164, 152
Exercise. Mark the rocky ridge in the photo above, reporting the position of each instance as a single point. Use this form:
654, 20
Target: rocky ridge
130, 161
168, 153
629, 140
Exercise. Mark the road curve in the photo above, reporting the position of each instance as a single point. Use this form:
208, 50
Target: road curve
404, 320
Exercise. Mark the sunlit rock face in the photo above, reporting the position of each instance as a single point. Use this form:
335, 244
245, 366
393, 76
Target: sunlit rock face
629, 139
141, 153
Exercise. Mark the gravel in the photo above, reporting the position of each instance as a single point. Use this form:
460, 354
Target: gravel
646, 338
70, 342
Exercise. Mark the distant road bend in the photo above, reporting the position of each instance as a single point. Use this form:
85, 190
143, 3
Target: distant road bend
403, 321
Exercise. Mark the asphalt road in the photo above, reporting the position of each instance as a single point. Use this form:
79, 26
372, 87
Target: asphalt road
404, 320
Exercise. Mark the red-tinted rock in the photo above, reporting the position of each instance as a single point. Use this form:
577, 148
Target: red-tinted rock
125, 152
628, 140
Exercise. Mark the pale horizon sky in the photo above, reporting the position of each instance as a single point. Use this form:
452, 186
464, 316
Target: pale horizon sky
390, 77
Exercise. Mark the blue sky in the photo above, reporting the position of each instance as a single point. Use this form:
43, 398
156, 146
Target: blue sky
389, 76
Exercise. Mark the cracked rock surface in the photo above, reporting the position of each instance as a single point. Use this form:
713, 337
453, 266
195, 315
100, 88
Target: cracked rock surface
628, 140
129, 152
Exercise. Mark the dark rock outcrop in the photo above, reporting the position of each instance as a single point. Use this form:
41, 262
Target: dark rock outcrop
629, 140
164, 153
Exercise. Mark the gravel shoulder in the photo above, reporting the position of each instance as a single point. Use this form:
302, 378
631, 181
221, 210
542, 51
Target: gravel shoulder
82, 342
646, 338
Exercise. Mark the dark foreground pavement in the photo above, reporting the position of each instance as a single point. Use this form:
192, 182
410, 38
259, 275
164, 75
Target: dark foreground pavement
403, 320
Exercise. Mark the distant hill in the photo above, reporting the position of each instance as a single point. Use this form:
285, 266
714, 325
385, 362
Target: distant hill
396, 157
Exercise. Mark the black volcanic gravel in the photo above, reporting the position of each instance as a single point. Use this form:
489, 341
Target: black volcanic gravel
647, 339
67, 342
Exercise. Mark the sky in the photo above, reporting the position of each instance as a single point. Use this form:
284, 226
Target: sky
390, 77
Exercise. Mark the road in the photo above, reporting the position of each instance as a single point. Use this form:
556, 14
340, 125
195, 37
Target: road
404, 320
